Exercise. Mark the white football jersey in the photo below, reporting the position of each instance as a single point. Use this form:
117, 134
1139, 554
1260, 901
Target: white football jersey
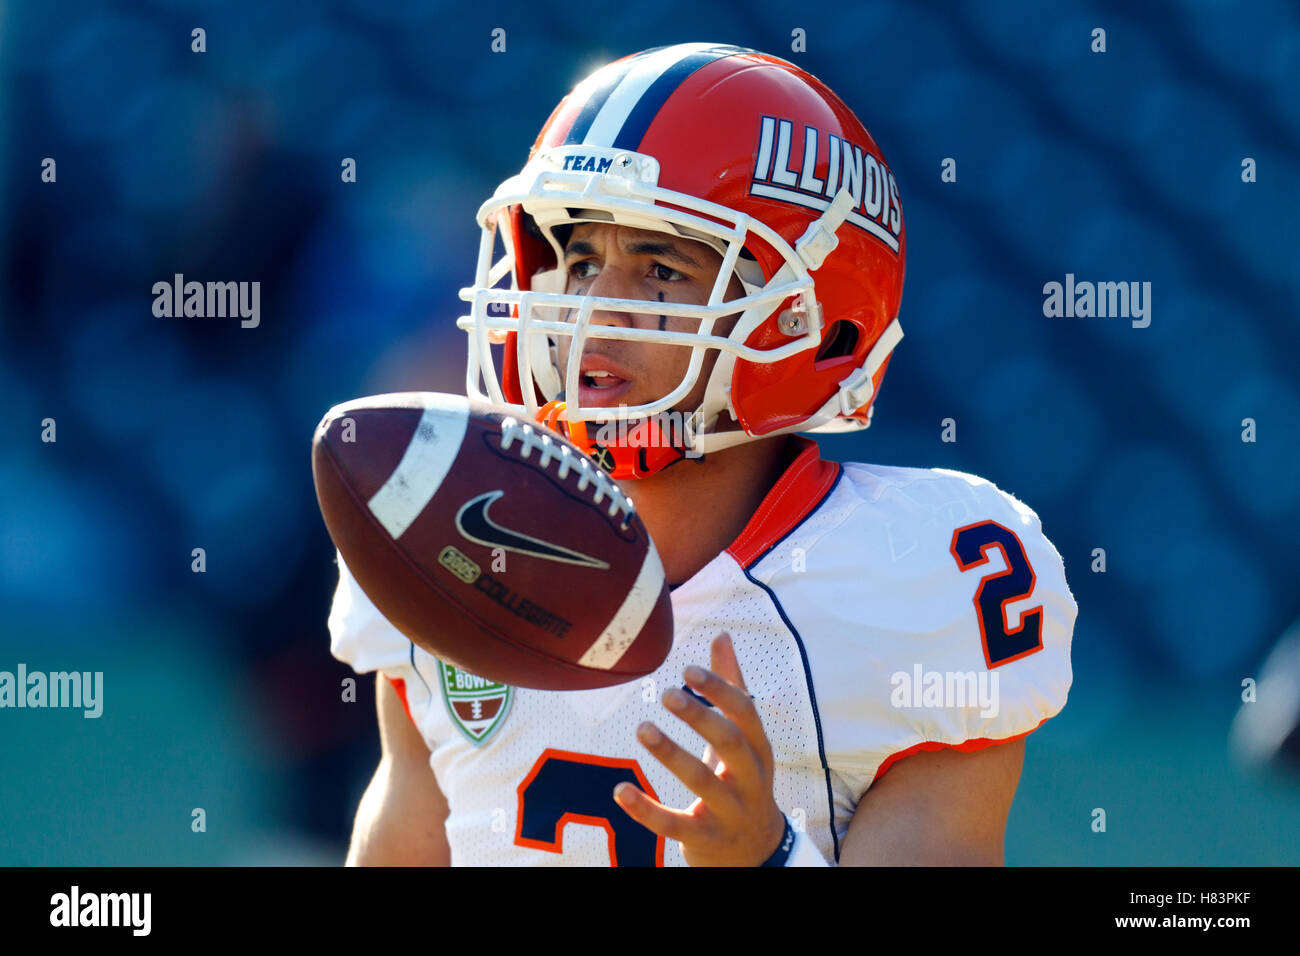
875, 612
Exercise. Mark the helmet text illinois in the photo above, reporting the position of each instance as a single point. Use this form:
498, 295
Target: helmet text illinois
788, 171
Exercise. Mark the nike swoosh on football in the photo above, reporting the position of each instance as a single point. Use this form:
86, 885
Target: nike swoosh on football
473, 522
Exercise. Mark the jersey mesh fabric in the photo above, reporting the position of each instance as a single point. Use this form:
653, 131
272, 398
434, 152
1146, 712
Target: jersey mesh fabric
862, 589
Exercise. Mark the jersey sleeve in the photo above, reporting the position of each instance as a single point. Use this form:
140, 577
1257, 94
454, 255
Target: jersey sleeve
949, 625
365, 640
360, 636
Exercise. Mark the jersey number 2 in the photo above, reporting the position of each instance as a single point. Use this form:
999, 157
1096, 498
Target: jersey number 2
565, 787
970, 546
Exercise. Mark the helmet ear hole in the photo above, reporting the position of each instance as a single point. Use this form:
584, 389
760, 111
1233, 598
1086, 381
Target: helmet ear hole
840, 341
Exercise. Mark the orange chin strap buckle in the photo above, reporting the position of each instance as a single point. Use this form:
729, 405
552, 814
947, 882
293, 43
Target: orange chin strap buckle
646, 452
550, 416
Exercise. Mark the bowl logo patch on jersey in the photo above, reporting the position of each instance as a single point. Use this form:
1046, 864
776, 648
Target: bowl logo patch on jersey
477, 705
786, 168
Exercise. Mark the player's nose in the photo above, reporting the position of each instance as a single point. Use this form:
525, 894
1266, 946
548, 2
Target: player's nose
613, 282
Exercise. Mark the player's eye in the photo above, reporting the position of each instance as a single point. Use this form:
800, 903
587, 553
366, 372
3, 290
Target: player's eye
665, 274
582, 269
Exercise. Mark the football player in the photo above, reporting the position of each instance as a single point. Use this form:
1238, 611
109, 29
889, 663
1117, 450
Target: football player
703, 258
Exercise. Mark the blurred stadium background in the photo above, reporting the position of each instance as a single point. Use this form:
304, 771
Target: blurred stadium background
220, 692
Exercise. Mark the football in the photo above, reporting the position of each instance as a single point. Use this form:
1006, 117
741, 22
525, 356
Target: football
492, 543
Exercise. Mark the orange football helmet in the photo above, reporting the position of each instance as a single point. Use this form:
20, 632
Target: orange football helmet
727, 146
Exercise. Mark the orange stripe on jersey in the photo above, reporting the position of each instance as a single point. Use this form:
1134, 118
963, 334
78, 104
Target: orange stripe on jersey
966, 746
399, 685
797, 492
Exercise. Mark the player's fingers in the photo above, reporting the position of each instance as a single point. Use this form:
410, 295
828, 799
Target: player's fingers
735, 704
722, 659
711, 758
688, 768
728, 740
653, 815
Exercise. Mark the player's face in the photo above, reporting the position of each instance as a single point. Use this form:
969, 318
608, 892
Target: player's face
622, 262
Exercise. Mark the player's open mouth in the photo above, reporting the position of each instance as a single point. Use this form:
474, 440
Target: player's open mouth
601, 380
601, 388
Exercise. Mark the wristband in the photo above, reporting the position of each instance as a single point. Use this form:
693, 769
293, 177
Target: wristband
795, 849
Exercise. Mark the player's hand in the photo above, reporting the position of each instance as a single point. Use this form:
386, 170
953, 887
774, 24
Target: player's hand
735, 821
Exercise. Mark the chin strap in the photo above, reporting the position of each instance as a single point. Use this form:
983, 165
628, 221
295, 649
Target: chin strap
640, 450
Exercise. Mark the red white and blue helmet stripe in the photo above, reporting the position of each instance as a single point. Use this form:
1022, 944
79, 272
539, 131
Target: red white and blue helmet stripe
626, 95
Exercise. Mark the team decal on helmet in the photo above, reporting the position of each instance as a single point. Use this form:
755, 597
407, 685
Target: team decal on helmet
586, 163
875, 193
